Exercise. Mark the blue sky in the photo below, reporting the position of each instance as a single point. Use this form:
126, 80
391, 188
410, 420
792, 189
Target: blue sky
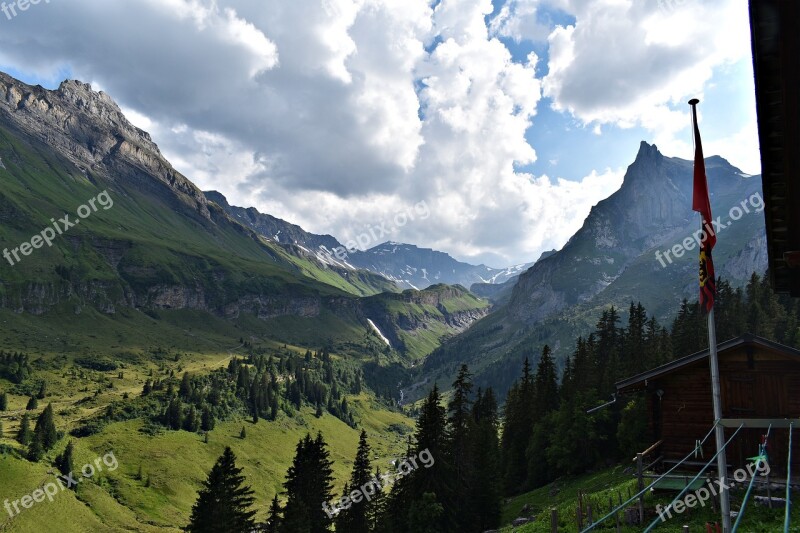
338, 114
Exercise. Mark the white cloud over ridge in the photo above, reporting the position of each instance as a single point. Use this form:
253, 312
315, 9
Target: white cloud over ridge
337, 114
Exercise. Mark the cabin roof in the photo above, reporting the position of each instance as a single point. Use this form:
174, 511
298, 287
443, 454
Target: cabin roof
748, 339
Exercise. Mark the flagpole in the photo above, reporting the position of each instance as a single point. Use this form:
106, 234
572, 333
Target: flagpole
722, 460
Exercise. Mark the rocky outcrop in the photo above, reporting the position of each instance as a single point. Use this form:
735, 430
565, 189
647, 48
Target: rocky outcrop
90, 130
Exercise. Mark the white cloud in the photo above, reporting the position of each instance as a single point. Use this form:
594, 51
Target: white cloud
336, 114
520, 20
632, 63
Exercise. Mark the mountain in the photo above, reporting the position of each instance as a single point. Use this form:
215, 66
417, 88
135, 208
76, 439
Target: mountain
406, 265
409, 265
499, 293
304, 245
142, 246
615, 258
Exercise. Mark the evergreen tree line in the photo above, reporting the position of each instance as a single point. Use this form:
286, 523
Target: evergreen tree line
42, 437
15, 367
258, 386
547, 432
456, 490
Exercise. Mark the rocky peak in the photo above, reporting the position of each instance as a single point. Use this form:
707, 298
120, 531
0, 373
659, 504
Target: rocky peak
89, 128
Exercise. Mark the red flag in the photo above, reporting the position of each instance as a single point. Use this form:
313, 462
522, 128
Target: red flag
701, 203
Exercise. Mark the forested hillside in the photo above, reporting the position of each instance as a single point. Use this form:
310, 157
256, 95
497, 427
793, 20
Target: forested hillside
459, 465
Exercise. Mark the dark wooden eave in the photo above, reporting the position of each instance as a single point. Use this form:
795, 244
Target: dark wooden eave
639, 382
776, 64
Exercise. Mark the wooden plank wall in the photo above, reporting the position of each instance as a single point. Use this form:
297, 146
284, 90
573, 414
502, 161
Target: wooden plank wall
755, 384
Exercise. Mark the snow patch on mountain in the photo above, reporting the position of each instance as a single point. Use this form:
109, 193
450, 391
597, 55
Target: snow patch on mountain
378, 331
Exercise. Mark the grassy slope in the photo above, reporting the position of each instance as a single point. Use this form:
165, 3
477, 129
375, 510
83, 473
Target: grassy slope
38, 185
610, 483
175, 462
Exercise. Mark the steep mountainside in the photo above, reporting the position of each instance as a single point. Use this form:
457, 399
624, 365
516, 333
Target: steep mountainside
404, 264
154, 243
612, 260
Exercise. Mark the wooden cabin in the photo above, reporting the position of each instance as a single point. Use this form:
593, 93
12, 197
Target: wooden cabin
759, 382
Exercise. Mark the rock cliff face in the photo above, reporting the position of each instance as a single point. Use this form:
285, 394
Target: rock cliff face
90, 130
651, 209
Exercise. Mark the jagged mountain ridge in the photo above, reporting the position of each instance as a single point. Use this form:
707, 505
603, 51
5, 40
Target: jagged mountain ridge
163, 246
611, 260
406, 265
304, 245
419, 267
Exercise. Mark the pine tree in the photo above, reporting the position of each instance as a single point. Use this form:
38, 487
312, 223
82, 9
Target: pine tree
273, 524
377, 508
35, 450
431, 437
517, 432
308, 484
460, 429
33, 403
356, 518
24, 434
42, 391
243, 433
224, 502
65, 462
45, 429
207, 420
185, 390
341, 522
273, 415
485, 490
191, 421
546, 384
3, 402
173, 417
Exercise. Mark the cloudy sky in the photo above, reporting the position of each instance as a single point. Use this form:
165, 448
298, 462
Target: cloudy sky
508, 118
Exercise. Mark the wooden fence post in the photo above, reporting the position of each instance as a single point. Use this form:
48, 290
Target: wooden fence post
553, 520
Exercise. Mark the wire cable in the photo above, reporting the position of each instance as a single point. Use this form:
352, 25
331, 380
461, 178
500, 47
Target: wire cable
762, 456
619, 507
660, 518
